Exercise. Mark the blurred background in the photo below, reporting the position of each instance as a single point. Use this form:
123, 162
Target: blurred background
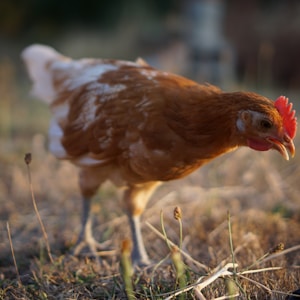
237, 45
252, 45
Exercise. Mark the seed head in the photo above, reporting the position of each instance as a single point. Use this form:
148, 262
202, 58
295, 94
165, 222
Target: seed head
177, 213
277, 248
28, 158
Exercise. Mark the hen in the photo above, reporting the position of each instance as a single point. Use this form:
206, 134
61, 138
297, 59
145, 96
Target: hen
137, 126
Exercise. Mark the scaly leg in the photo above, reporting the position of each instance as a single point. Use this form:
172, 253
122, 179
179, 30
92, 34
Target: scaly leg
89, 181
136, 198
139, 254
86, 238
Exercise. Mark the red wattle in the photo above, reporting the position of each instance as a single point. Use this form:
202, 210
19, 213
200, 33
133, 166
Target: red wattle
259, 145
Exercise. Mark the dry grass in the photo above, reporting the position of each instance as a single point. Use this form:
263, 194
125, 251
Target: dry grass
259, 190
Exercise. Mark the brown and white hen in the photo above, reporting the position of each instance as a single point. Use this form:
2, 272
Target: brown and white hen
137, 126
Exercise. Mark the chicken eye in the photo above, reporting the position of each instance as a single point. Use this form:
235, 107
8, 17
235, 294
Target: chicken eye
266, 124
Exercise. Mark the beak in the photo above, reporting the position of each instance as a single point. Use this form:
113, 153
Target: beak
283, 146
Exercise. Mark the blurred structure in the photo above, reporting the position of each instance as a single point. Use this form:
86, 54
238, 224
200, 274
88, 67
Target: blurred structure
266, 39
218, 41
210, 57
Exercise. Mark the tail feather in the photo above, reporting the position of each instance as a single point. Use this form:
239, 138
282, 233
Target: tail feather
37, 59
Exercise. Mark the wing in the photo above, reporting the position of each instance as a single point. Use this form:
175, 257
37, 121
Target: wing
102, 108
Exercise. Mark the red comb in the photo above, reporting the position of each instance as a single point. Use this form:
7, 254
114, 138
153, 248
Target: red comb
288, 115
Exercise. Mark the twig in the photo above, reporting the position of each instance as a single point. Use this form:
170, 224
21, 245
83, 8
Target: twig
275, 255
227, 297
198, 286
164, 231
259, 270
223, 272
186, 255
230, 239
13, 255
255, 282
28, 161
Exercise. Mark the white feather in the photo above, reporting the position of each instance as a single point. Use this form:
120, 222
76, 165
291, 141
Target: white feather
87, 161
55, 145
37, 57
90, 74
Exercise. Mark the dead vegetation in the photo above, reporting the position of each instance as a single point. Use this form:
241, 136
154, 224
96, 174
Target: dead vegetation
258, 190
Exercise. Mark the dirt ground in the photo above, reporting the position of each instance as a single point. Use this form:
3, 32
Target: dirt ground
259, 191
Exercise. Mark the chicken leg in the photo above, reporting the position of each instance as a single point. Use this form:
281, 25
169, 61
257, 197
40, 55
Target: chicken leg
86, 238
89, 182
136, 198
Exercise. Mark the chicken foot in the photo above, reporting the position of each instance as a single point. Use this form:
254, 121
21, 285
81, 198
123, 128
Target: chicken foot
86, 238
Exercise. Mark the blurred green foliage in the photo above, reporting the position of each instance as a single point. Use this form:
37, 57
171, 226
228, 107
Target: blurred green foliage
40, 16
